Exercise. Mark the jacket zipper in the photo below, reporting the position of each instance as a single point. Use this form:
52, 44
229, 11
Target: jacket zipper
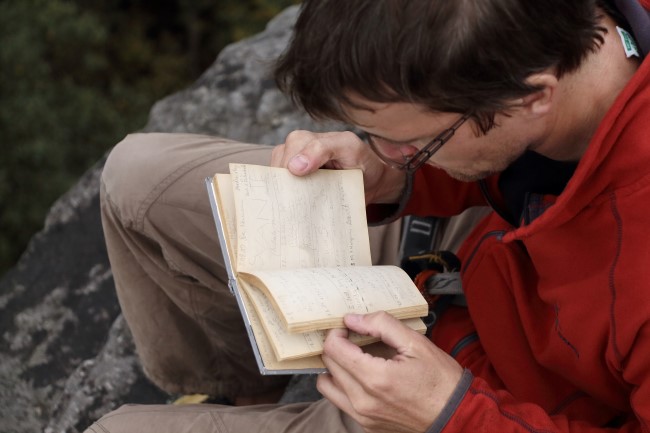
498, 234
463, 343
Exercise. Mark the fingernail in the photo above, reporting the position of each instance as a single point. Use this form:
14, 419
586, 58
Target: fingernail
298, 163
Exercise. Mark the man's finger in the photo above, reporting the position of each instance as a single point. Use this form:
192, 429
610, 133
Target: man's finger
329, 388
385, 327
342, 387
344, 358
304, 152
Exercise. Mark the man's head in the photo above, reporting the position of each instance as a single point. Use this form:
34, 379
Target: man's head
454, 56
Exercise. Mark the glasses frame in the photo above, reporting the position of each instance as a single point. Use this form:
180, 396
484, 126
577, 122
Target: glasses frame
417, 160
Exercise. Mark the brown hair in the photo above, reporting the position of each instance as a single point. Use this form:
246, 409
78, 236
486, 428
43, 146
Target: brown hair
465, 56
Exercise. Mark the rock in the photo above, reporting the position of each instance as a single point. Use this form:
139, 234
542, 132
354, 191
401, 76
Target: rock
66, 355
236, 97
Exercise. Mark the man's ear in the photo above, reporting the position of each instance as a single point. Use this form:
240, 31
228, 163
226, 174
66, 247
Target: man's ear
541, 101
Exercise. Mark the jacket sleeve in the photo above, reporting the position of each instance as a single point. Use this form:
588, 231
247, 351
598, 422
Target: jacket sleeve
481, 403
485, 409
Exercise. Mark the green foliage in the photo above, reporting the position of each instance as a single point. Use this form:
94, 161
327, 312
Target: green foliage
76, 76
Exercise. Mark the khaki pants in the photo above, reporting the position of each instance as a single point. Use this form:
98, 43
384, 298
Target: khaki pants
171, 285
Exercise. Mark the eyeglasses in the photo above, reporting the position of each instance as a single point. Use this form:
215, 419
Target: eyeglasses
414, 162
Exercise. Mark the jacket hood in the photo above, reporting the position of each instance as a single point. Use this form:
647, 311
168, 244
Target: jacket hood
618, 156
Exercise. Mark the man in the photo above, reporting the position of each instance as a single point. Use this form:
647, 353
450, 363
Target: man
537, 109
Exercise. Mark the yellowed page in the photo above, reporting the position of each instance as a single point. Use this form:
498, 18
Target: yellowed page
297, 345
223, 190
288, 222
317, 298
289, 346
285, 345
265, 349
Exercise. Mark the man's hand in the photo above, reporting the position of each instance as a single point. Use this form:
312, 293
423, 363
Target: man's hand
305, 152
402, 394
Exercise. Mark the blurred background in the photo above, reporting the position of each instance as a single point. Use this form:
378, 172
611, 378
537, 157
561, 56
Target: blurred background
76, 76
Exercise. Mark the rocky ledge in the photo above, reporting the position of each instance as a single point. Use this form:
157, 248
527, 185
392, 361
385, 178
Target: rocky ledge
66, 355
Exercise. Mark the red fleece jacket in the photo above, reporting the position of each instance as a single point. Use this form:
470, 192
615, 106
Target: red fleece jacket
561, 306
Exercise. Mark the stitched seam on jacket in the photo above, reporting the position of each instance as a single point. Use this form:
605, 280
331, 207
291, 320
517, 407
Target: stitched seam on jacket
560, 334
567, 401
612, 279
511, 416
463, 343
494, 233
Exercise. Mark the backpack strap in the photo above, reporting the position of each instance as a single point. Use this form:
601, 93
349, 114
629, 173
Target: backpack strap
435, 273
637, 14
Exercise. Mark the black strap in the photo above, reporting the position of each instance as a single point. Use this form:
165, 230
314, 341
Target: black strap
418, 236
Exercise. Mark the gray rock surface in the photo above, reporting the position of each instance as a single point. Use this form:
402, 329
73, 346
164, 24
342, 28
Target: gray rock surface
66, 355
236, 97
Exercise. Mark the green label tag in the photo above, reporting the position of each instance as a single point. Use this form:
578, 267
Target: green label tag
629, 44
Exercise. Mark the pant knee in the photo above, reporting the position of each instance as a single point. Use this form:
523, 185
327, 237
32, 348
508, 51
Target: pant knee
143, 166
127, 175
